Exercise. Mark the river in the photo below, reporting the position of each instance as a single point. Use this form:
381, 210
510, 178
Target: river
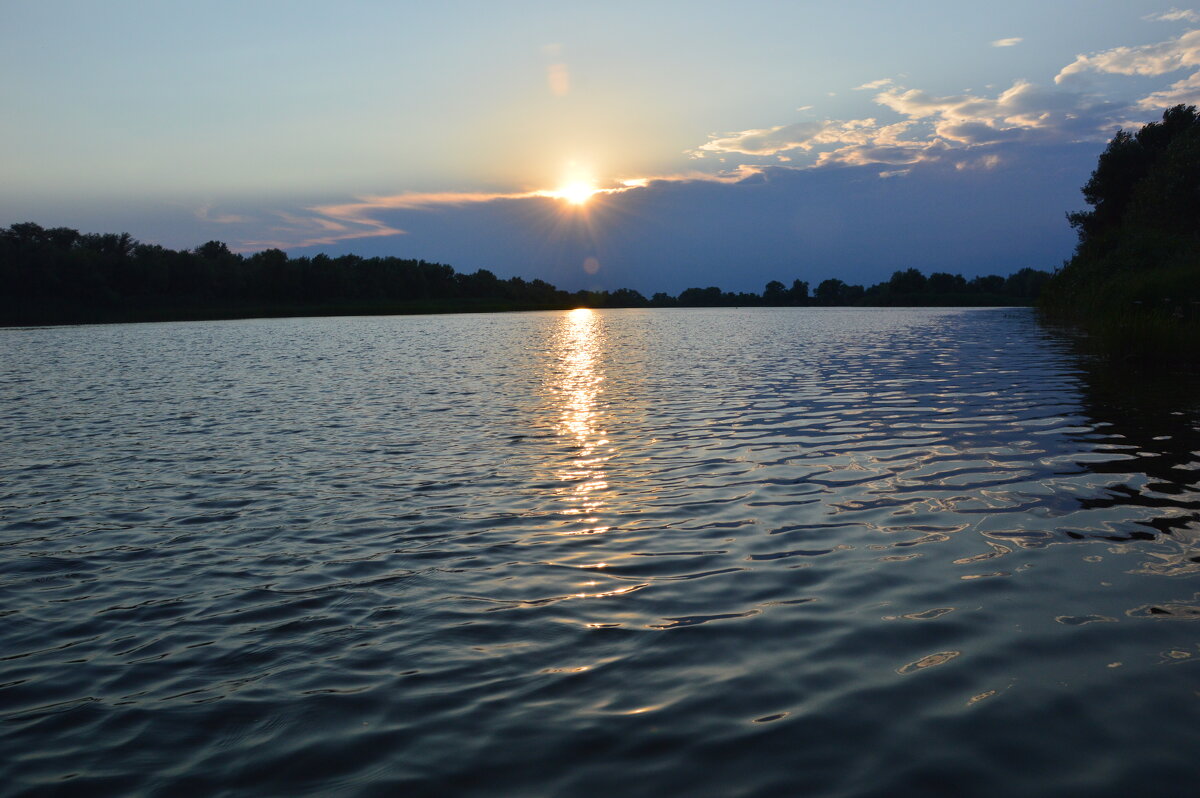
726, 552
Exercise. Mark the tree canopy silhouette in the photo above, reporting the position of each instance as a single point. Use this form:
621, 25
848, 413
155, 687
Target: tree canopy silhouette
60, 275
1152, 169
1134, 279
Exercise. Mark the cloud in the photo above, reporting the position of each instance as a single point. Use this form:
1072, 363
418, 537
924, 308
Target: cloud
558, 76
801, 135
989, 161
416, 200
881, 144
965, 134
895, 154
1015, 40
1155, 59
1148, 59
931, 127
1174, 15
204, 213
1186, 91
333, 223
1025, 111
328, 224
323, 225
775, 222
875, 84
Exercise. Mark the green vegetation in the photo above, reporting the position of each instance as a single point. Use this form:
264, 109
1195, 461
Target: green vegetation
1133, 284
60, 276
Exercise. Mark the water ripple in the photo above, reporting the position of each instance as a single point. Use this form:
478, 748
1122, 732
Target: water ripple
711, 552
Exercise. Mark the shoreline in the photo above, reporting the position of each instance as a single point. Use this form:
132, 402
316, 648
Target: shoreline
42, 318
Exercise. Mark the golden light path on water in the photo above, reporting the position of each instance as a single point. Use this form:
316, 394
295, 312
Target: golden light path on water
582, 495
579, 379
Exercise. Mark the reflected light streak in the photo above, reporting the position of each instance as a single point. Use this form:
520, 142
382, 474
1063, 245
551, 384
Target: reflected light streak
578, 382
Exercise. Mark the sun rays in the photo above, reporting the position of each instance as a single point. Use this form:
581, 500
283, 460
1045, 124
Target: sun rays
575, 193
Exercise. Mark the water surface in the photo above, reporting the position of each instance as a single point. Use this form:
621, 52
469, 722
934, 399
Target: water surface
839, 552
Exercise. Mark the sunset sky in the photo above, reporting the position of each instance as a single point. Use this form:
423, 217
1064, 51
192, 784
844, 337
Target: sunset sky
663, 145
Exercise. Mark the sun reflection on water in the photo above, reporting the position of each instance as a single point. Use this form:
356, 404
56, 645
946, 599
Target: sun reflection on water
578, 381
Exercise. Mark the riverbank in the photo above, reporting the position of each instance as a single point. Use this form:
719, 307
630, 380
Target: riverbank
1132, 287
51, 315
1152, 314
47, 315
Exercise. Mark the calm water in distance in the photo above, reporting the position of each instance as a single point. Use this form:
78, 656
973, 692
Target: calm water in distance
770, 552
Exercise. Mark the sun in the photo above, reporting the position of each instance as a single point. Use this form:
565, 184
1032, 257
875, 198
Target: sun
577, 193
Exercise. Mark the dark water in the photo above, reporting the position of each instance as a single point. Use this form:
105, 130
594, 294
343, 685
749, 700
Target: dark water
727, 552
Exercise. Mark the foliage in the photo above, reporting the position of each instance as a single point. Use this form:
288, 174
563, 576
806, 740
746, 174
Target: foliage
1133, 282
59, 275
1138, 173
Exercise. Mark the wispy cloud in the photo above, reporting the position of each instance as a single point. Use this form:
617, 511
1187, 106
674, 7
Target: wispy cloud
205, 214
332, 223
1148, 59
931, 127
1160, 58
801, 135
1174, 15
946, 127
985, 162
1024, 111
875, 84
898, 152
558, 76
1186, 91
322, 225
415, 201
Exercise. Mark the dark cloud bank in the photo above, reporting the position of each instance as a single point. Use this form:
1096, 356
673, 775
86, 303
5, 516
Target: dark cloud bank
995, 210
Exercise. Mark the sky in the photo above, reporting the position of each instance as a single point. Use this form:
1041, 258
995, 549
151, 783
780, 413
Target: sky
651, 145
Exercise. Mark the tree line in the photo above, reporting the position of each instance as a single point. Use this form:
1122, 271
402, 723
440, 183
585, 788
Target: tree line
59, 275
905, 287
1133, 282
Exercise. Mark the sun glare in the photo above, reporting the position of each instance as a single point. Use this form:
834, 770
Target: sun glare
576, 193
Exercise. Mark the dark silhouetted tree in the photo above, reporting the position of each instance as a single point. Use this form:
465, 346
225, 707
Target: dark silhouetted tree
832, 292
945, 283
775, 293
991, 284
1134, 280
1026, 283
909, 281
1125, 162
701, 297
626, 298
214, 250
798, 293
